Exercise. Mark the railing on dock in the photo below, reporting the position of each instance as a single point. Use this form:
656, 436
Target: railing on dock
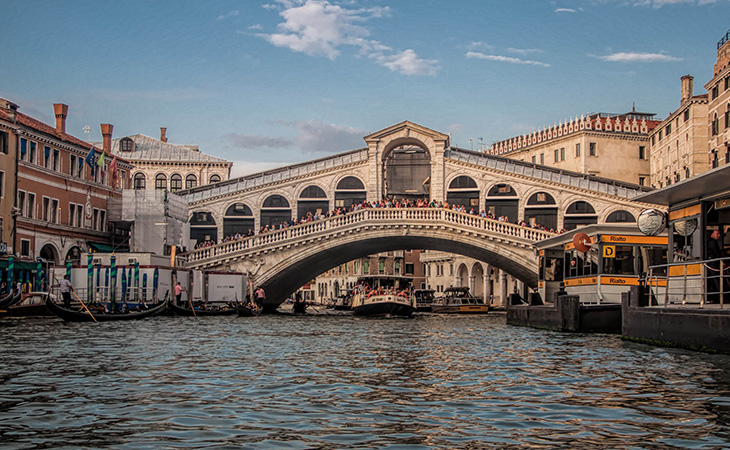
690, 283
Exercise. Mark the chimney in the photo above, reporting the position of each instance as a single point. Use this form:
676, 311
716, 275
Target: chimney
106, 132
686, 88
163, 132
61, 112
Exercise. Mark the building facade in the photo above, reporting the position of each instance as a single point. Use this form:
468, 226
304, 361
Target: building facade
62, 188
718, 108
679, 143
161, 165
613, 146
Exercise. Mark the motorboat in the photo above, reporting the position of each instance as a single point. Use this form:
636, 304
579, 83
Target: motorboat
424, 299
458, 300
382, 295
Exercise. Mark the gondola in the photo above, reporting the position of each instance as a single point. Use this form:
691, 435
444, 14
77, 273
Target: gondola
71, 315
249, 309
11, 299
33, 304
182, 311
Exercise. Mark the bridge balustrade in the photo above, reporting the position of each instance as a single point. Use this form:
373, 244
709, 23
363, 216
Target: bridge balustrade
412, 216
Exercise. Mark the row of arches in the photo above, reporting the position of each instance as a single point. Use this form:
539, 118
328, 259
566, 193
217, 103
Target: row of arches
502, 200
175, 181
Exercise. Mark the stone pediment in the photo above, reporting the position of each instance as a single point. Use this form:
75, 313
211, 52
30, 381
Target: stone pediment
407, 129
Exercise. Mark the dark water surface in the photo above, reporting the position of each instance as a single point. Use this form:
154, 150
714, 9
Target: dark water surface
336, 382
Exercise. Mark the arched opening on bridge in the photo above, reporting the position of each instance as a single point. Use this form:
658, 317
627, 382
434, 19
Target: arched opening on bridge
350, 190
407, 172
541, 209
620, 216
238, 219
502, 200
463, 191
275, 211
203, 227
312, 200
578, 214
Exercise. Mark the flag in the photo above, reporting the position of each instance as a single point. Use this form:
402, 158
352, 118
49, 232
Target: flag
90, 159
113, 171
100, 163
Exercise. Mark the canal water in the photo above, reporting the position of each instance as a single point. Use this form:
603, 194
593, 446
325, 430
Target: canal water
339, 382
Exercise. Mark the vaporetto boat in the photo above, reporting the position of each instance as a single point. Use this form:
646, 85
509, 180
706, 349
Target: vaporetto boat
381, 295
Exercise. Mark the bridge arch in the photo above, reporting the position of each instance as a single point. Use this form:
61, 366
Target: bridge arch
50, 252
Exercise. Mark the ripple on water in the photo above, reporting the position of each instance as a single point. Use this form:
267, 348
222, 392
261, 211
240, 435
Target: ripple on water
332, 382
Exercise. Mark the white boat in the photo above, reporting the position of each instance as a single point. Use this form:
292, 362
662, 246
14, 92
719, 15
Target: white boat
382, 295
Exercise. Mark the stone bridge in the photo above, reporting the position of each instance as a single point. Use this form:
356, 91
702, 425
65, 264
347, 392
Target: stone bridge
283, 260
405, 160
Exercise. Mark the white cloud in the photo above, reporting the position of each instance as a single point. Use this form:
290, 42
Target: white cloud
569, 10
638, 57
524, 51
656, 4
256, 26
407, 62
507, 59
233, 13
320, 28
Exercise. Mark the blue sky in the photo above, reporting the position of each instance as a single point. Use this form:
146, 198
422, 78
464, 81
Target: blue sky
269, 83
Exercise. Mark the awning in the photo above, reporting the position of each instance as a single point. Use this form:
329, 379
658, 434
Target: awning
701, 186
100, 247
19, 265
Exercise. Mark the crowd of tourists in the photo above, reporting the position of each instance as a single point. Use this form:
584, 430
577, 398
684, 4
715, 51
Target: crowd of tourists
384, 203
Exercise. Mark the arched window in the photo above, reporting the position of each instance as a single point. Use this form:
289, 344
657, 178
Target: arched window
126, 145
238, 220
578, 214
160, 182
274, 211
140, 181
215, 178
175, 182
541, 210
350, 183
350, 190
502, 201
191, 181
620, 216
312, 200
463, 191
463, 182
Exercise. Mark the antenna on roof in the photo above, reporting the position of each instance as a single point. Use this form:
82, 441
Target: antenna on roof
87, 131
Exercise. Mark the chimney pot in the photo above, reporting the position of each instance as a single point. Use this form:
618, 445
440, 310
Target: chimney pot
61, 111
106, 132
163, 134
686, 88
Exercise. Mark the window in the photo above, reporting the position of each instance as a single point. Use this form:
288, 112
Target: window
24, 247
47, 157
642, 152
160, 182
102, 220
79, 215
534, 159
32, 155
191, 181
642, 181
542, 158
56, 159
557, 155
21, 202
71, 214
381, 266
95, 219
31, 205
140, 181
686, 115
366, 267
215, 178
46, 212
175, 182
669, 129
3, 142
397, 268
55, 211
23, 149
577, 149
126, 145
592, 149
409, 269
715, 127
686, 172
562, 153
715, 91
72, 169
2, 184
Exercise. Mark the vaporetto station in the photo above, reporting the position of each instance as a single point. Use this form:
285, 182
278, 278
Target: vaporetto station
402, 161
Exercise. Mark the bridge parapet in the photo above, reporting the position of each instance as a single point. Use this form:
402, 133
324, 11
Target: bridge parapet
379, 217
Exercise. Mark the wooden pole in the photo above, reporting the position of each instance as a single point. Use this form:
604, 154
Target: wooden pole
84, 305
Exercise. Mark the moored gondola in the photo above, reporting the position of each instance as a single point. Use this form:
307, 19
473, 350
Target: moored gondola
11, 299
249, 309
223, 310
82, 315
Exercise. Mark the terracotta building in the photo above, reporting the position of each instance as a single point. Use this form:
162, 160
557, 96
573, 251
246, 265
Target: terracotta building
611, 146
59, 197
718, 107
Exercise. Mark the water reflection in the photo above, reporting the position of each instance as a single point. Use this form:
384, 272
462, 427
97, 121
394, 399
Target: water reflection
329, 382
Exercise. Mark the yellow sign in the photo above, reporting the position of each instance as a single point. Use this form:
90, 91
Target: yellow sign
620, 281
609, 251
580, 281
614, 239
